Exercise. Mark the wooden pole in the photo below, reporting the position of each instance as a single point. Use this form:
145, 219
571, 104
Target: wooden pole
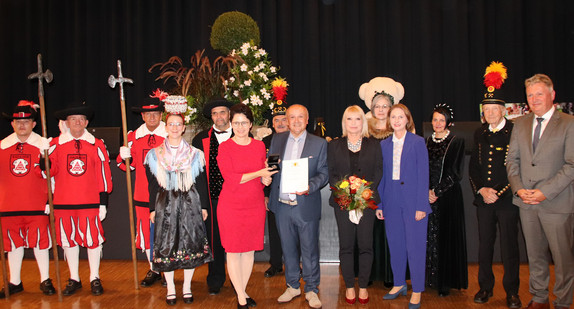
4, 268
112, 83
40, 75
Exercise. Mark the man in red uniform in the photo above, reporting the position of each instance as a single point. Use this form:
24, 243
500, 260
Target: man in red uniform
23, 196
83, 180
148, 136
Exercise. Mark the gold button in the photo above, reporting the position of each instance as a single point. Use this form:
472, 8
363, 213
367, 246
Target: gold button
488, 178
490, 152
489, 166
489, 172
491, 146
489, 159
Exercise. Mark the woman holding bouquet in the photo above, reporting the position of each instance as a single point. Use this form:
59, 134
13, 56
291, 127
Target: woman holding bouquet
404, 203
355, 161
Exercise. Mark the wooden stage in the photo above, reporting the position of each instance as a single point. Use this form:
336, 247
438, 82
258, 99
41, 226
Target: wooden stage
119, 291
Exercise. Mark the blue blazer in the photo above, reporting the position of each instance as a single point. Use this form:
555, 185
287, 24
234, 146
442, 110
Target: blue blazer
315, 149
413, 193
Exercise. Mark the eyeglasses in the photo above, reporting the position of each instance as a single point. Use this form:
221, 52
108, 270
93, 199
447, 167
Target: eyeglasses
240, 124
175, 124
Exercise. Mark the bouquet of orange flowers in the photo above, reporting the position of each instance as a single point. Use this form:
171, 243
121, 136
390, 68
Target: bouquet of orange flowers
354, 194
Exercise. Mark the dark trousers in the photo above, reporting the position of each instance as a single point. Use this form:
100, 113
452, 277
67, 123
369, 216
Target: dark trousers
362, 235
216, 269
275, 252
298, 235
507, 220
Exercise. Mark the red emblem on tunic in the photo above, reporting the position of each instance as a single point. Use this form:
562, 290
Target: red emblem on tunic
20, 164
77, 164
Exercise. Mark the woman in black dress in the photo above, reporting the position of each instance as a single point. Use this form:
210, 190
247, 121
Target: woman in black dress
446, 265
178, 207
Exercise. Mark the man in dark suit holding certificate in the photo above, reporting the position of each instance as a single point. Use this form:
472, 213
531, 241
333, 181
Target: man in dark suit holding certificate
298, 213
540, 166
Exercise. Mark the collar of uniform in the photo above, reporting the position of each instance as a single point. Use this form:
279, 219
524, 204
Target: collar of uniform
159, 131
34, 139
499, 126
66, 137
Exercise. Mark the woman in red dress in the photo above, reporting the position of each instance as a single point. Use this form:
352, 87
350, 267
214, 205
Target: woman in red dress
241, 211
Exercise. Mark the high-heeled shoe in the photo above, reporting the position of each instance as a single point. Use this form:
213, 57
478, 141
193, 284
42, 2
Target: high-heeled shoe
364, 301
414, 306
187, 298
239, 306
250, 302
402, 291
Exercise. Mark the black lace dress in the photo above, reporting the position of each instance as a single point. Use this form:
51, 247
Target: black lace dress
446, 265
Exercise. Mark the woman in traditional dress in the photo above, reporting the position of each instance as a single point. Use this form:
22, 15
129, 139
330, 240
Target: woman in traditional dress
446, 265
178, 204
355, 154
241, 209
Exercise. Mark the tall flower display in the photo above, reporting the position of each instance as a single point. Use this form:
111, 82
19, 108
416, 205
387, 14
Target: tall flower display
251, 81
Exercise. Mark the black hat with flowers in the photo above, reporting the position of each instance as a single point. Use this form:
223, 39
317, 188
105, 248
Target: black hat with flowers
24, 110
279, 87
153, 103
494, 77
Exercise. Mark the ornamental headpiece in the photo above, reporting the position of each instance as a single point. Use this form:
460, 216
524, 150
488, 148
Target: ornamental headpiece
279, 87
446, 111
175, 104
386, 86
494, 77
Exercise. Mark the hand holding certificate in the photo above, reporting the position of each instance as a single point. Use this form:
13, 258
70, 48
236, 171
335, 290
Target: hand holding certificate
295, 175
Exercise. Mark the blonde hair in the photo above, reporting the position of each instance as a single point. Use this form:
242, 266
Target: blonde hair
410, 124
540, 78
355, 109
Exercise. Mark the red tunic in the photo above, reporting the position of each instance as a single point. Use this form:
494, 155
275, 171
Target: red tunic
241, 208
83, 180
140, 142
23, 195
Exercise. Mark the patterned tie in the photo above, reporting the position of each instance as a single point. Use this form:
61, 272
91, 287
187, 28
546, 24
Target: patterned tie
536, 137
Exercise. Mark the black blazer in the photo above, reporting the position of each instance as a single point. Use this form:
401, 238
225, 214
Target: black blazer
370, 164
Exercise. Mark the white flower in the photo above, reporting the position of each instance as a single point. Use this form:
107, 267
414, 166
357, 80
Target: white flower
232, 79
245, 45
247, 82
241, 86
233, 52
243, 67
262, 52
255, 100
256, 69
225, 82
272, 69
263, 91
193, 111
236, 93
187, 118
250, 73
267, 96
263, 76
246, 101
261, 65
257, 55
271, 104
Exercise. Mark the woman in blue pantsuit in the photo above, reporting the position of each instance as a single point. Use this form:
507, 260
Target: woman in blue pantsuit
404, 202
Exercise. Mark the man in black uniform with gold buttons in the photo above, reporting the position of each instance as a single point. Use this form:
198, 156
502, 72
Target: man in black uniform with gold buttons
493, 198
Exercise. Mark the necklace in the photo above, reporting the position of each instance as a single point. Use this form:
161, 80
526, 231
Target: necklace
356, 146
440, 140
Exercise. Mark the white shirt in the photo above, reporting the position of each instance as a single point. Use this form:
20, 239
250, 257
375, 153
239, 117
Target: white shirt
544, 123
498, 127
397, 153
222, 137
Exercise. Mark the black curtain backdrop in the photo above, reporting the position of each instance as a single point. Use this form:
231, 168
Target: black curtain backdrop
438, 49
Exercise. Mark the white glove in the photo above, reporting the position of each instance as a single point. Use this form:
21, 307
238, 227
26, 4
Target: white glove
63, 127
47, 210
103, 212
44, 144
125, 152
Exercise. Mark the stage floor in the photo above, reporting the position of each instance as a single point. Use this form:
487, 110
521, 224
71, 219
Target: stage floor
117, 280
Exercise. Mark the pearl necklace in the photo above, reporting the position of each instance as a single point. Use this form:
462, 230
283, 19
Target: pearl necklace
354, 147
440, 140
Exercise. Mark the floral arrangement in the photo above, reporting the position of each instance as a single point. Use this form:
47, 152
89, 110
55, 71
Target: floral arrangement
251, 81
354, 194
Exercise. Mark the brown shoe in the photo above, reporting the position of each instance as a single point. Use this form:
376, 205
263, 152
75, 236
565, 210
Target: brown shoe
513, 301
534, 305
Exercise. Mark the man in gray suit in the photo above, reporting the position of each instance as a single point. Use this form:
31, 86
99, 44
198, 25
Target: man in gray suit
298, 213
540, 168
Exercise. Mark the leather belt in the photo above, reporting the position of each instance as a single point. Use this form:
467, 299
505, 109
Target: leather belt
288, 202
